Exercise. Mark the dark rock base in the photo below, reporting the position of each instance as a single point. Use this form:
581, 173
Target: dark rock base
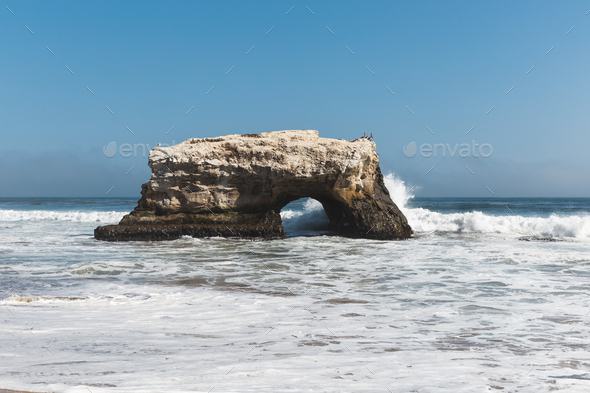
148, 226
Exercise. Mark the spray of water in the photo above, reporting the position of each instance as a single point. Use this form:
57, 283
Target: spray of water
423, 220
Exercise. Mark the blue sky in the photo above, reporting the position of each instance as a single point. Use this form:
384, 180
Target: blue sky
150, 62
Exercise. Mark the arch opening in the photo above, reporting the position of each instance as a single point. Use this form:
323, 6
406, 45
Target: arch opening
305, 217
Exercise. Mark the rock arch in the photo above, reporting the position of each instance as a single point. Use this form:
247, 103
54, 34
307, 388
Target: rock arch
236, 185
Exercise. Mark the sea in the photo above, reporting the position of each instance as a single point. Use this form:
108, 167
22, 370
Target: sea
490, 294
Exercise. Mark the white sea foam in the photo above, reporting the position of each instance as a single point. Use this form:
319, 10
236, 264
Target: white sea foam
315, 313
424, 220
52, 215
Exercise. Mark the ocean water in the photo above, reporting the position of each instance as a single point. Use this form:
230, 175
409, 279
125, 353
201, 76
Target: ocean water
488, 295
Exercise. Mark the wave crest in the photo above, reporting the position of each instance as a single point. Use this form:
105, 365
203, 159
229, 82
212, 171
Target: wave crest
423, 220
312, 218
52, 215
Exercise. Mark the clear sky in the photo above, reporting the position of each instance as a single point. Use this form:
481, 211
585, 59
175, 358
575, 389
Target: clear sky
447, 63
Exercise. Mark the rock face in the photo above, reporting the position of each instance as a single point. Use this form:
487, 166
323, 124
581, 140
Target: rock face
236, 186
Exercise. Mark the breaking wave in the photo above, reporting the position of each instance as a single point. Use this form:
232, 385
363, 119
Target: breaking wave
312, 218
52, 215
424, 220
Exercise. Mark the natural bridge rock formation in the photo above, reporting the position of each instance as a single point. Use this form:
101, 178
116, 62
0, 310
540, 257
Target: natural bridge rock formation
236, 185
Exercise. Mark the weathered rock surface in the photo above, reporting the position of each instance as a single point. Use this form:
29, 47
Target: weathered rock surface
236, 185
